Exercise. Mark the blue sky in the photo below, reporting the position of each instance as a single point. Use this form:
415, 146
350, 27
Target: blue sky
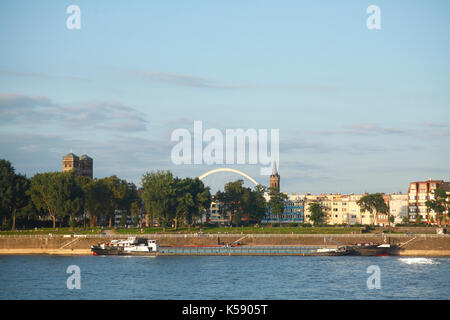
358, 110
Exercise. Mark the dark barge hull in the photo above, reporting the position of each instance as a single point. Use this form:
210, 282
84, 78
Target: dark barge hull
330, 254
368, 251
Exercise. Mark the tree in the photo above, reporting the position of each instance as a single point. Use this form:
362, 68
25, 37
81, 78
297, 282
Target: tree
21, 198
254, 203
83, 182
241, 203
185, 204
391, 219
192, 198
159, 195
97, 197
260, 207
121, 195
13, 192
123, 219
419, 218
202, 199
231, 201
438, 204
58, 193
135, 212
71, 199
277, 202
374, 203
317, 215
7, 176
44, 193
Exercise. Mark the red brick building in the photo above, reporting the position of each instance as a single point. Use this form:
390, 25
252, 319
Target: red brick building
418, 193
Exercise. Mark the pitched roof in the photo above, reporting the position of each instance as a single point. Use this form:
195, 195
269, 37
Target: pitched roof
274, 168
85, 156
71, 155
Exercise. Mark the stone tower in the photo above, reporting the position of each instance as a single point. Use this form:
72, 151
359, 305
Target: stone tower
82, 166
71, 162
275, 178
86, 166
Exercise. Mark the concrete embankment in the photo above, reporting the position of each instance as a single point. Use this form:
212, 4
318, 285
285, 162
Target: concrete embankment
410, 245
62, 252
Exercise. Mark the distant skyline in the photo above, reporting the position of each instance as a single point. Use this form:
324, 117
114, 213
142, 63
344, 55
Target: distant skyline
358, 110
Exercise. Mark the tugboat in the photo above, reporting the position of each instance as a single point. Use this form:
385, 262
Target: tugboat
370, 249
133, 246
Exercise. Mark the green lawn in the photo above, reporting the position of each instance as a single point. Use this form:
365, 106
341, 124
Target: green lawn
50, 230
213, 230
249, 230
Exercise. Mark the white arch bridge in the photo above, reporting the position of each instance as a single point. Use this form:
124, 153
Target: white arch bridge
228, 170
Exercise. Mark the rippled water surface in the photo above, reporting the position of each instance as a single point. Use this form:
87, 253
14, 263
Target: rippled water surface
219, 277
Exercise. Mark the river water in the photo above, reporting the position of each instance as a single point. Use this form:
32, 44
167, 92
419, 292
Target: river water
223, 277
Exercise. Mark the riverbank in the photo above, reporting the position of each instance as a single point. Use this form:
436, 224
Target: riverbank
33, 251
410, 245
87, 252
263, 229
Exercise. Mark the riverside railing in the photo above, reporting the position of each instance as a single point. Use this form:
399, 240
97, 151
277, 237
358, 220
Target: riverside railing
226, 235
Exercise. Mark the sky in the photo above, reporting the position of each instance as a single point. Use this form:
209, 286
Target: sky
358, 109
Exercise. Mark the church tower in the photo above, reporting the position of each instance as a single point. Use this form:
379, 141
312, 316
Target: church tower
275, 178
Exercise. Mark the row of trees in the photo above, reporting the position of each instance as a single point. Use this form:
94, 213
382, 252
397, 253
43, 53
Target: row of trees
171, 200
14, 199
174, 201
243, 204
64, 197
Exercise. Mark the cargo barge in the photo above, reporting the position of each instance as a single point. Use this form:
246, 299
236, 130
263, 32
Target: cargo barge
134, 246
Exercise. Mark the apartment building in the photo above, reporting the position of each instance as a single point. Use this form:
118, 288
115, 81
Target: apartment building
418, 193
398, 207
339, 209
293, 211
213, 215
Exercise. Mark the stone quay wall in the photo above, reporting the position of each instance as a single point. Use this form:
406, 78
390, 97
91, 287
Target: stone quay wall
423, 244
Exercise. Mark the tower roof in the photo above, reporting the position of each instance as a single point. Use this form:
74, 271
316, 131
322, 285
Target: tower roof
71, 155
85, 157
274, 169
